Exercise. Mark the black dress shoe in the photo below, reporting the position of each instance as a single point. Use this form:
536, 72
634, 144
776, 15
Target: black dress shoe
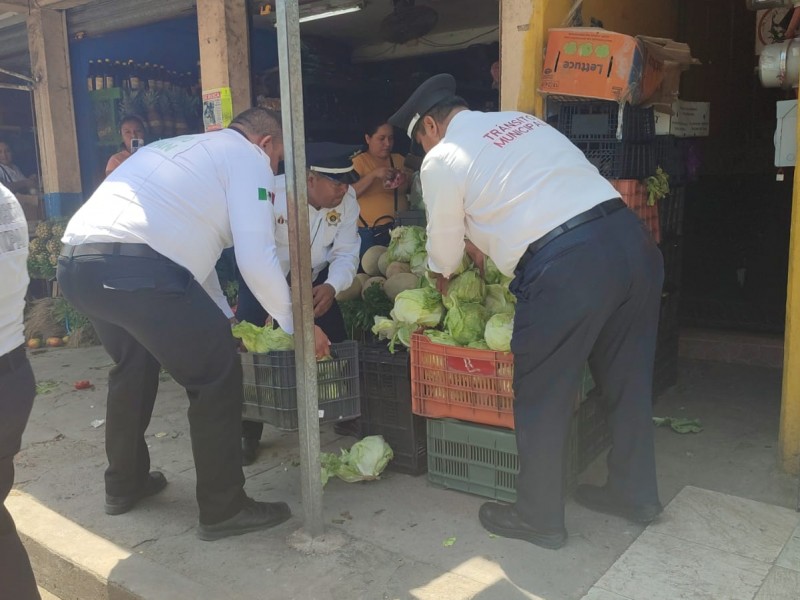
249, 451
117, 505
601, 500
505, 521
254, 516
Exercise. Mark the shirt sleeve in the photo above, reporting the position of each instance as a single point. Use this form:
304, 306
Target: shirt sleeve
250, 197
444, 205
212, 287
343, 255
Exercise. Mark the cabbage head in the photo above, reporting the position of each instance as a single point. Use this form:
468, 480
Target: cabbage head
465, 288
466, 322
493, 275
498, 299
498, 332
440, 337
419, 263
262, 339
365, 461
478, 345
406, 242
422, 306
384, 328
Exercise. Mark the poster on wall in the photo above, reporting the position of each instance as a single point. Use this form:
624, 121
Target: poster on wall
770, 26
217, 109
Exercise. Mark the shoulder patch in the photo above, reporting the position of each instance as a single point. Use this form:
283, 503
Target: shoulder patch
265, 195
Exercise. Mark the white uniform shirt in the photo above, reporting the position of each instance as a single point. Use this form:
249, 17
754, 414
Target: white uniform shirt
503, 179
189, 198
334, 237
13, 271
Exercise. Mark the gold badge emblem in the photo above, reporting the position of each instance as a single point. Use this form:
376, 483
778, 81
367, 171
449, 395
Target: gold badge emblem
333, 218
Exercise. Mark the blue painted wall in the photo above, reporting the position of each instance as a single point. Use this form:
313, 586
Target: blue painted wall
173, 43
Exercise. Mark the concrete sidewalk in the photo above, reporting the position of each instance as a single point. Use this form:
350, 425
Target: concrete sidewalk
384, 539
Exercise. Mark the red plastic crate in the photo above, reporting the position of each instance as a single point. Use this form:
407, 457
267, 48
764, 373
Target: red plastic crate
634, 194
461, 383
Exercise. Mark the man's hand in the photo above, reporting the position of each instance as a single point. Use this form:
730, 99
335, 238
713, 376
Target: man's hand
478, 257
324, 296
322, 345
441, 282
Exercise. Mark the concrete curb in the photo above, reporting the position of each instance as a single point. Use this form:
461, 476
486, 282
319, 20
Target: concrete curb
75, 564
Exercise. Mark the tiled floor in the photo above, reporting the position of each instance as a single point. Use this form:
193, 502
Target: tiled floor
709, 545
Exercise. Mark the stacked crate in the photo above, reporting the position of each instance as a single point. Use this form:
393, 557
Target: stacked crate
467, 397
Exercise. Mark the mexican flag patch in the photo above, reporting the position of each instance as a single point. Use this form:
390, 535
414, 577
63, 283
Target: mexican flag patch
265, 195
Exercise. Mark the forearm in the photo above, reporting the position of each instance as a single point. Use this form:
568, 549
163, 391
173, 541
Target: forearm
363, 183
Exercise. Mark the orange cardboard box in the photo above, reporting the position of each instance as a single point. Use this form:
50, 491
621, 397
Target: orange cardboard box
595, 63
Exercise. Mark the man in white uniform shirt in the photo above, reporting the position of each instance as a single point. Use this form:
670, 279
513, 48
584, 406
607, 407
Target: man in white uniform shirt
587, 279
333, 218
17, 390
139, 261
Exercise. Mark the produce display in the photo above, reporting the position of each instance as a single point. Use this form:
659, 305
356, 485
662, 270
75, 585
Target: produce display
44, 249
477, 311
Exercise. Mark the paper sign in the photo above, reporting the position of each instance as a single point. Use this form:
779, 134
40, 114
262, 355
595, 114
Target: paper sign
217, 109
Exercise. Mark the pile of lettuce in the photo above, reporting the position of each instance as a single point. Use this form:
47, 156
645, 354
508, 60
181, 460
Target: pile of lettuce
476, 312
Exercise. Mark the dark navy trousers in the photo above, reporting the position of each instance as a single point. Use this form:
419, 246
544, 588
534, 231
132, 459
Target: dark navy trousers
17, 391
591, 294
150, 312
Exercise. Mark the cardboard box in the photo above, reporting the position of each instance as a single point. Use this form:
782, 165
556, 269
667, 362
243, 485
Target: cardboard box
786, 134
688, 119
595, 63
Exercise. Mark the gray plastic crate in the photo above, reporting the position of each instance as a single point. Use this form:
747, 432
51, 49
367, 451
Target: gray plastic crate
270, 387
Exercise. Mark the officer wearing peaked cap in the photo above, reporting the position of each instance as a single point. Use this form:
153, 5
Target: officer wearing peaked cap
587, 279
333, 215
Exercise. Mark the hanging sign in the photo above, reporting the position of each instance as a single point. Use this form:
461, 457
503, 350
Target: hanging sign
770, 26
217, 109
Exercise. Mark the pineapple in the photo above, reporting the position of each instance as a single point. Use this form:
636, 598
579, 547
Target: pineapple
154, 121
43, 230
131, 104
37, 246
58, 230
53, 246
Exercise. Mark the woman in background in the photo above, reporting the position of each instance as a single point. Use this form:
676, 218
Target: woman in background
10, 174
381, 188
131, 128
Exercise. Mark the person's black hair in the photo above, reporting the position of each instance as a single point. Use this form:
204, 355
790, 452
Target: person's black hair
440, 111
133, 119
259, 121
370, 126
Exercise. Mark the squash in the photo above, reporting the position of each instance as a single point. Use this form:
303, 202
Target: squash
369, 262
400, 283
352, 292
396, 268
383, 263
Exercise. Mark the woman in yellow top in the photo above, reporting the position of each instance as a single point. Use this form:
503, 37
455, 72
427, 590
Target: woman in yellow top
381, 189
131, 128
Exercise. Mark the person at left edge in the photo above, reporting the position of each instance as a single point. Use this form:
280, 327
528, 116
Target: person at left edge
17, 390
139, 261
333, 219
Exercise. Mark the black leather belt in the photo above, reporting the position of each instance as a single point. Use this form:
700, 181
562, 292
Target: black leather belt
601, 210
110, 249
13, 359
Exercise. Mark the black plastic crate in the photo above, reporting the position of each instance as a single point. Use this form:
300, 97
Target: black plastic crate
386, 407
665, 369
594, 433
270, 386
411, 217
598, 120
668, 321
621, 160
671, 157
672, 251
671, 211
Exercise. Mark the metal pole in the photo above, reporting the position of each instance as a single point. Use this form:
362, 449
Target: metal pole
14, 86
17, 75
288, 29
